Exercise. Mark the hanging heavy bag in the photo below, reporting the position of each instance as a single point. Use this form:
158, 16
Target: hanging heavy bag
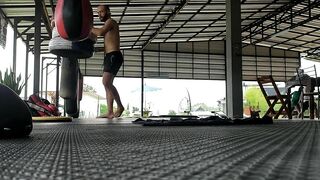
70, 49
74, 19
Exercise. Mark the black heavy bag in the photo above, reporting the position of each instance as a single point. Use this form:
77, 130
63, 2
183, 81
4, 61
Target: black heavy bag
15, 117
74, 19
69, 78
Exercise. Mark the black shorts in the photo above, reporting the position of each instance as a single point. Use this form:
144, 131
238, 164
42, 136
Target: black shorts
112, 62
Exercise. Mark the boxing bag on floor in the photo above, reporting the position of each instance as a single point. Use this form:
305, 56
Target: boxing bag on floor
74, 19
15, 117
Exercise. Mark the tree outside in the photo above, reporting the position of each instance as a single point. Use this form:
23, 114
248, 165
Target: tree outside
172, 112
103, 109
255, 100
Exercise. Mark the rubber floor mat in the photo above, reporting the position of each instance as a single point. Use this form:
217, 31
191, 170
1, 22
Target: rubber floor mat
283, 150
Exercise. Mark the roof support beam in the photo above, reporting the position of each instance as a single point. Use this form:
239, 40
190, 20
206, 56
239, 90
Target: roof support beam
124, 11
25, 31
175, 12
209, 25
314, 52
276, 22
154, 17
52, 6
259, 10
189, 19
295, 46
45, 17
269, 16
9, 22
288, 28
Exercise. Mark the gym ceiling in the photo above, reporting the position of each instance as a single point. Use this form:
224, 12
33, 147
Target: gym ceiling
291, 25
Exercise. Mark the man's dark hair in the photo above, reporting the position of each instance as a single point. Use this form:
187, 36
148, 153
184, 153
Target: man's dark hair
107, 7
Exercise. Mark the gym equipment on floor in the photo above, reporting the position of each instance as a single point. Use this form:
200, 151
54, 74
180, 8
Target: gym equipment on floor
52, 119
15, 117
196, 121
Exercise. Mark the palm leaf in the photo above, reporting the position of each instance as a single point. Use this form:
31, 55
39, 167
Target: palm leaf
13, 82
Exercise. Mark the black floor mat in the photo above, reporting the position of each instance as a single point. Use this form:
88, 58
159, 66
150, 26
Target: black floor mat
197, 121
283, 150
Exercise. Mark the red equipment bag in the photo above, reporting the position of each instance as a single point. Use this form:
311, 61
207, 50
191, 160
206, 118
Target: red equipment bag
43, 109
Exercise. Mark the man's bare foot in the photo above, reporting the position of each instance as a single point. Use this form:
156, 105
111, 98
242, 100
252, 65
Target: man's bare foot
102, 116
118, 112
110, 115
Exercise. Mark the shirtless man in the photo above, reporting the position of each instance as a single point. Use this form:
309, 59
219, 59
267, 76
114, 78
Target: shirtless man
113, 58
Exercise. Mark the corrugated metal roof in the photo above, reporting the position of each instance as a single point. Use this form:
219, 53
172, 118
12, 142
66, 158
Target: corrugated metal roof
284, 24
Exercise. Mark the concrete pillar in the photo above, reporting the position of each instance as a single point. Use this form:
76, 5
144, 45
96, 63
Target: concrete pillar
234, 96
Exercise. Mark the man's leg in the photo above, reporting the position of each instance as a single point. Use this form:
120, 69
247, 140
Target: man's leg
112, 94
116, 97
107, 80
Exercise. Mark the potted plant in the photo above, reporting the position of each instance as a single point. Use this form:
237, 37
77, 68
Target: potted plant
9, 79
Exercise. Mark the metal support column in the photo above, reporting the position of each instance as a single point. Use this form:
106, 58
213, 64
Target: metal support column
142, 81
42, 68
47, 74
14, 53
41, 84
37, 43
57, 81
26, 70
234, 96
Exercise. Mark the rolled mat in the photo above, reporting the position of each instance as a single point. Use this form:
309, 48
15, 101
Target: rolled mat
52, 119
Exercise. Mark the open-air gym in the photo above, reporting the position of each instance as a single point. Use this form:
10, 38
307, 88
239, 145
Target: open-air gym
233, 41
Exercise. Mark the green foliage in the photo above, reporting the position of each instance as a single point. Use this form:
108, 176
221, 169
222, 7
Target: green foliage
126, 112
135, 109
103, 109
9, 79
201, 107
146, 113
255, 98
88, 88
172, 112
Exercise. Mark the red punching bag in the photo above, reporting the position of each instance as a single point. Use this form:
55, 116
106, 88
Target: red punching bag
74, 19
